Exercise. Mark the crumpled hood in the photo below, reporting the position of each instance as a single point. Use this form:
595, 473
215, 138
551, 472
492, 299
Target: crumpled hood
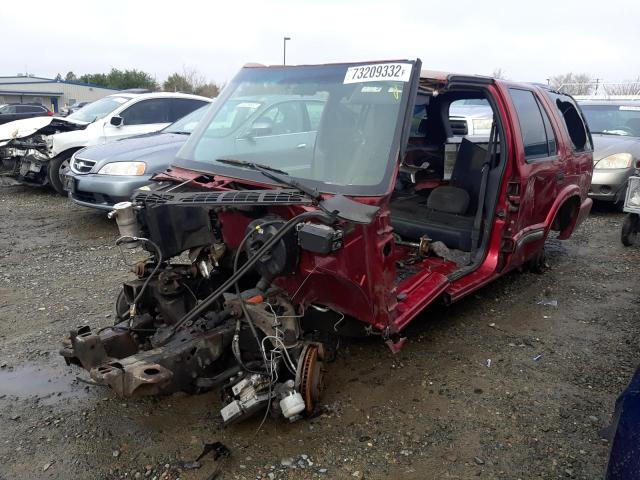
154, 149
44, 125
605, 145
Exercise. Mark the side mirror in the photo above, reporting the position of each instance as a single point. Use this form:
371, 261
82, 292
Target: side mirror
116, 121
261, 129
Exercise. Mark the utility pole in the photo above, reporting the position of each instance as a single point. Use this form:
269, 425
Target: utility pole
284, 50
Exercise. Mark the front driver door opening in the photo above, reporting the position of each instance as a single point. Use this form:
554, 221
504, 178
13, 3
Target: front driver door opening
449, 178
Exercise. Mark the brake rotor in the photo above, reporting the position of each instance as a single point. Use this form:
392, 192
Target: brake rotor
310, 376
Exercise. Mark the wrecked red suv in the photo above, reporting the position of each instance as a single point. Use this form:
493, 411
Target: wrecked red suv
320, 201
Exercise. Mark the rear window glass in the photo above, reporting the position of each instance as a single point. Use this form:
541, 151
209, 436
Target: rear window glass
184, 106
573, 122
537, 135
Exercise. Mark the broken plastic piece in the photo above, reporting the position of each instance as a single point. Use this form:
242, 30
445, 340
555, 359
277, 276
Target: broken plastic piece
394, 346
547, 303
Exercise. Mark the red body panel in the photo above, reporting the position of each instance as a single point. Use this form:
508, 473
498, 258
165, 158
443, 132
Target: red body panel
360, 280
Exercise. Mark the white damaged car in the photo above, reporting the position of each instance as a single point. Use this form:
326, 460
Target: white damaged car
37, 150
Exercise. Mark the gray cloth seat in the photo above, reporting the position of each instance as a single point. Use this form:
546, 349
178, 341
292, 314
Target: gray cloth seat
448, 214
449, 199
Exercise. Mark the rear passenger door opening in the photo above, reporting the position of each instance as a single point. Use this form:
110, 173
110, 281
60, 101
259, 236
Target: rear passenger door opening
449, 180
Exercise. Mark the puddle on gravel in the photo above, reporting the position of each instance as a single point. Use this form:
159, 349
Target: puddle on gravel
49, 385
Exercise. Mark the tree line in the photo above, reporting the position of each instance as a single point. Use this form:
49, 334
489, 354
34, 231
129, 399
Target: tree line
187, 81
585, 84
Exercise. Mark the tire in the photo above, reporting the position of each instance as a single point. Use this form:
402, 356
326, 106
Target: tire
538, 263
58, 166
629, 234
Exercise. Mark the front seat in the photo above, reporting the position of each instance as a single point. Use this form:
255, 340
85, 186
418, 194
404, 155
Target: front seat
447, 215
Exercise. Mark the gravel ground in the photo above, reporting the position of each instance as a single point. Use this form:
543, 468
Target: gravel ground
435, 410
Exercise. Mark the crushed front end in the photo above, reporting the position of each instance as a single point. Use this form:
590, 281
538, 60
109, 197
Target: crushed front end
27, 146
221, 318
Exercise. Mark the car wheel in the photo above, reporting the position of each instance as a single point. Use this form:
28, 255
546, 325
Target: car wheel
538, 263
58, 167
629, 234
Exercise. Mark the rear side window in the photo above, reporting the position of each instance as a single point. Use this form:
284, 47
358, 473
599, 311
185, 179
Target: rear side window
538, 137
184, 106
573, 122
156, 110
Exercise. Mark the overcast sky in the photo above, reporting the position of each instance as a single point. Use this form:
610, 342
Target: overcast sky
530, 41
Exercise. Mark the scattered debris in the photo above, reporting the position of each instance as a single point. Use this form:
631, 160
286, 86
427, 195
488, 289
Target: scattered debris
191, 465
220, 451
548, 303
488, 363
8, 182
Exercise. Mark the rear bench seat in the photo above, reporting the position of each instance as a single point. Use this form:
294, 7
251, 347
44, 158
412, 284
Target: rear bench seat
447, 214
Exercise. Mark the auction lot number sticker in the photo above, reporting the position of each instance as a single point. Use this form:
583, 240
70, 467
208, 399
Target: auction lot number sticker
379, 72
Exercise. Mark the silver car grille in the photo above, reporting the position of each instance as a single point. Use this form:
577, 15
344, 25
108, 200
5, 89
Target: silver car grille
82, 165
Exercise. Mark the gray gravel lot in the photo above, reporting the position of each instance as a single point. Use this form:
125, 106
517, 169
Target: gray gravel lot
435, 410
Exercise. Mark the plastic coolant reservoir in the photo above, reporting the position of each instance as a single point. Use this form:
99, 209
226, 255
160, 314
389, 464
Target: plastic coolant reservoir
292, 404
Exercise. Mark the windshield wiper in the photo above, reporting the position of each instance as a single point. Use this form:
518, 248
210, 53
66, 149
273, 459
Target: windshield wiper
251, 165
607, 132
272, 173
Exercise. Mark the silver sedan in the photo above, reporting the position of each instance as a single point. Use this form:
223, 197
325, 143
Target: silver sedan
615, 126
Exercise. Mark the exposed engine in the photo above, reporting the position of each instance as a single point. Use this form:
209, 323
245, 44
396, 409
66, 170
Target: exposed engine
218, 319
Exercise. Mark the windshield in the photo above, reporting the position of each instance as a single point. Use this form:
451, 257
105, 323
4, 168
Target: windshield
335, 128
187, 123
613, 119
96, 110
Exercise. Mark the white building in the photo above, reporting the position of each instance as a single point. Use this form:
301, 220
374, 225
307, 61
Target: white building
53, 94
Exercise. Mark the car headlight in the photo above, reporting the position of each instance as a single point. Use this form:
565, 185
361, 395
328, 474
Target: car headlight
481, 124
123, 168
633, 192
617, 160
